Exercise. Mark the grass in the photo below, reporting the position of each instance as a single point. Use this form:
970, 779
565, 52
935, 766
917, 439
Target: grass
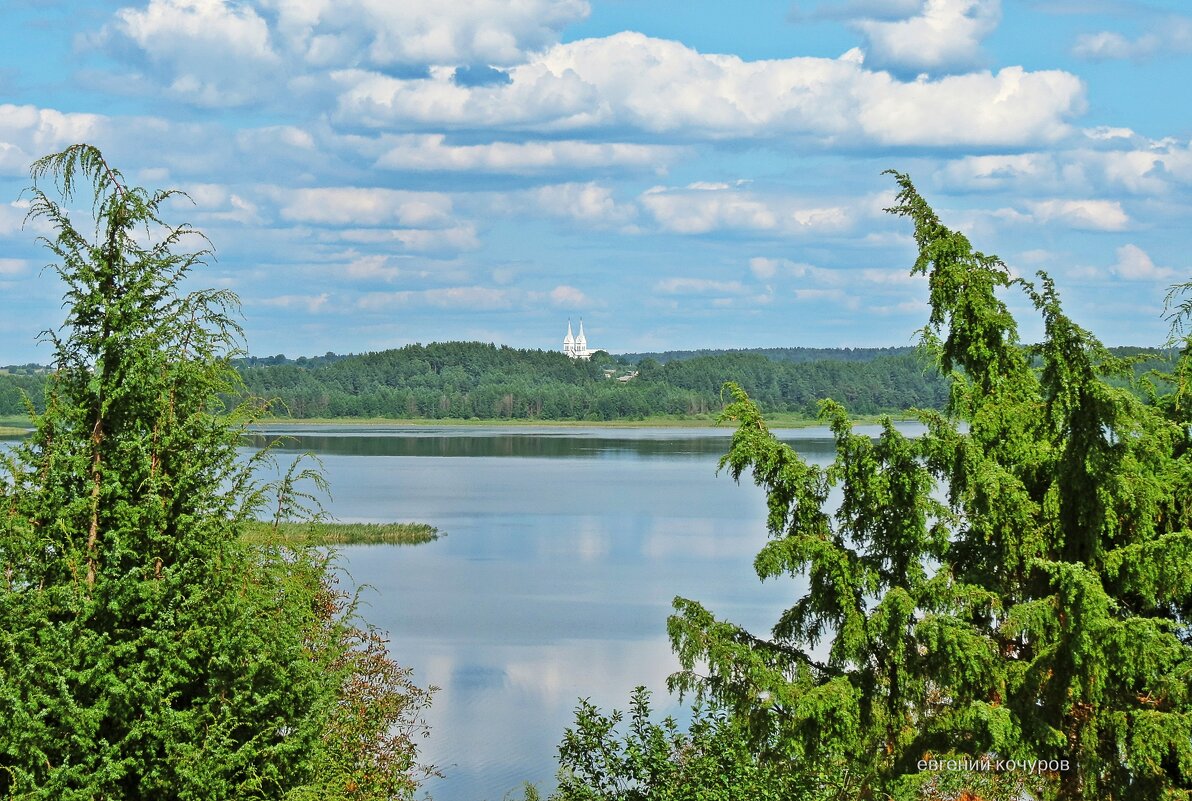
262, 533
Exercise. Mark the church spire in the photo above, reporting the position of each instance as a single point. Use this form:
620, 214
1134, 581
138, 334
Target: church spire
576, 346
569, 340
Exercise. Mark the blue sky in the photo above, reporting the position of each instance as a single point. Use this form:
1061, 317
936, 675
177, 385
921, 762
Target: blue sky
678, 174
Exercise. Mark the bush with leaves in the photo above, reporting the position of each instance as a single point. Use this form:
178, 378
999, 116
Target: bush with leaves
710, 761
1014, 585
144, 651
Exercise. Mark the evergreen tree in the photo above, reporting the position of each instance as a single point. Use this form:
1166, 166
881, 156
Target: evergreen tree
1014, 586
144, 651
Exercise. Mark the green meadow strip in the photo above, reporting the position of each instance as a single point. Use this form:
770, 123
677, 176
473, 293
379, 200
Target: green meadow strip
262, 533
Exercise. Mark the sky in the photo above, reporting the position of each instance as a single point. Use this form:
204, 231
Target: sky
678, 175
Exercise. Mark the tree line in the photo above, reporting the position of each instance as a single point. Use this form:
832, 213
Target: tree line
473, 380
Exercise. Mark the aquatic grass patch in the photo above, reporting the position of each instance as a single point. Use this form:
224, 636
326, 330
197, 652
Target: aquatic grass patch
324, 533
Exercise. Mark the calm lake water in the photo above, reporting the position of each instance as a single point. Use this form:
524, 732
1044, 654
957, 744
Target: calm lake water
564, 550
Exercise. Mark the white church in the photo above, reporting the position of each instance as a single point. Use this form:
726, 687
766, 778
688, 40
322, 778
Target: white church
577, 347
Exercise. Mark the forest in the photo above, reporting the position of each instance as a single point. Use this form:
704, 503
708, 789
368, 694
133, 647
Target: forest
473, 380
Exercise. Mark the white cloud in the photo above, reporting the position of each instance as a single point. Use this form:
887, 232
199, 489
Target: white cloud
1134, 264
568, 297
210, 52
384, 32
944, 34
767, 268
762, 267
217, 203
365, 206
1095, 215
833, 296
373, 266
311, 304
995, 172
590, 203
417, 240
272, 138
1173, 35
226, 53
28, 132
698, 286
1012, 106
431, 152
460, 297
1153, 167
710, 208
13, 267
892, 278
1109, 160
700, 212
633, 81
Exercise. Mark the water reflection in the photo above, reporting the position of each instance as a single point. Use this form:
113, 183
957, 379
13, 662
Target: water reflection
565, 549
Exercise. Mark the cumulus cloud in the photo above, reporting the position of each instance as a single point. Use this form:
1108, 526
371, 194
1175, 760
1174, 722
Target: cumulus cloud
28, 132
766, 268
459, 297
365, 206
224, 53
432, 152
633, 81
1173, 36
704, 208
1000, 171
12, 267
1133, 264
698, 286
944, 34
1108, 161
568, 297
385, 33
210, 52
312, 304
1093, 215
217, 203
416, 240
590, 203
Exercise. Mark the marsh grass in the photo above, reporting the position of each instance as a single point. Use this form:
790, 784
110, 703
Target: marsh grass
262, 533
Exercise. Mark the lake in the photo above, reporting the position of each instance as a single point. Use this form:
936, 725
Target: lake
564, 550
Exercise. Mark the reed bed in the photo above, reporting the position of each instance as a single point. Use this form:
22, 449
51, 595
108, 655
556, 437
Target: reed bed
322, 533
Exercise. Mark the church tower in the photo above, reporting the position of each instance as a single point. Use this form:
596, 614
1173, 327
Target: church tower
576, 347
581, 341
569, 340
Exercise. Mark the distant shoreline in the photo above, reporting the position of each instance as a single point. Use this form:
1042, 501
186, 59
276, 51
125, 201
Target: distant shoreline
776, 420
15, 426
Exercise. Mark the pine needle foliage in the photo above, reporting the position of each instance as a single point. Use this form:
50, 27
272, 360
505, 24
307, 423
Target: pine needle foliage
145, 651
1015, 585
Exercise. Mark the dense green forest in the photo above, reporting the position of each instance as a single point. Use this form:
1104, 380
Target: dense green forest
464, 380
467, 380
774, 354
